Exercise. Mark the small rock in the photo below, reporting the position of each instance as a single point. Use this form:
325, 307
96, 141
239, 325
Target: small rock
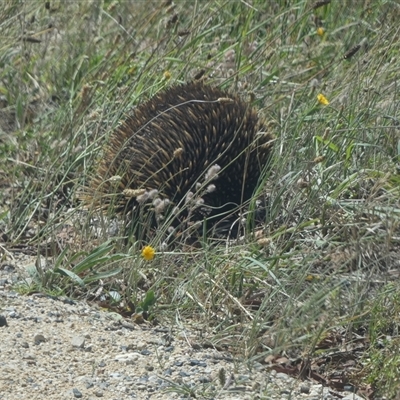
154, 379
39, 338
281, 375
128, 358
89, 384
178, 363
305, 389
141, 345
243, 378
104, 385
68, 301
77, 394
258, 366
78, 341
349, 388
3, 321
168, 372
197, 363
144, 379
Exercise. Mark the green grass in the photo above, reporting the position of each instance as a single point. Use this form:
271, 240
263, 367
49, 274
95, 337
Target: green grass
321, 280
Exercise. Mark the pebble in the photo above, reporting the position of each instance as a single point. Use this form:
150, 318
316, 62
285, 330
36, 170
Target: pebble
78, 341
39, 338
281, 375
168, 372
76, 393
205, 379
3, 321
305, 389
89, 384
128, 358
198, 363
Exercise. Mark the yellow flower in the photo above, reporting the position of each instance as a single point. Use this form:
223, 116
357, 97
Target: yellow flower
167, 75
148, 253
322, 99
320, 31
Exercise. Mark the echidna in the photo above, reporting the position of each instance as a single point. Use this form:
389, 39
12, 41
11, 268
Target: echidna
179, 141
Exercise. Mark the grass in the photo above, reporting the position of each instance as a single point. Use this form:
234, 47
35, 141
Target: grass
318, 281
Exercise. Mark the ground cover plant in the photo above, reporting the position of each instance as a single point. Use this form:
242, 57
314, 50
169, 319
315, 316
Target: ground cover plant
312, 290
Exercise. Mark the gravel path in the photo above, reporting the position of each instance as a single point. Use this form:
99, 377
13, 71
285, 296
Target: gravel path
55, 348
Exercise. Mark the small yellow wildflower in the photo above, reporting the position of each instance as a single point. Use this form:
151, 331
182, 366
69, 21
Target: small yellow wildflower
167, 75
322, 99
320, 31
148, 253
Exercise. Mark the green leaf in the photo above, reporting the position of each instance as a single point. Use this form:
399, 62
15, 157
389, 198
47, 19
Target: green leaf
97, 257
148, 301
101, 275
328, 143
70, 274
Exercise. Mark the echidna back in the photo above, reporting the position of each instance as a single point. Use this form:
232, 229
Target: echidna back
171, 142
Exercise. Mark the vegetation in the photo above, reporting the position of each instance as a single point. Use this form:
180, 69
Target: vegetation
316, 283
